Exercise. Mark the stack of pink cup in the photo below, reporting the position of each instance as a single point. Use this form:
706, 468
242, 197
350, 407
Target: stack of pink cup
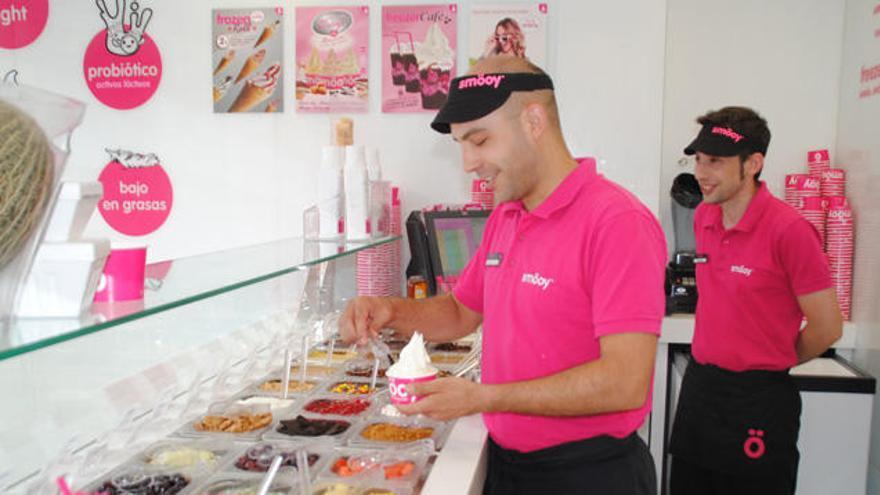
833, 182
396, 229
818, 161
839, 247
800, 186
482, 193
814, 210
378, 270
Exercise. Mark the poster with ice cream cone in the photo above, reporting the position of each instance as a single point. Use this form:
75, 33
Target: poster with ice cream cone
509, 30
332, 59
247, 60
418, 56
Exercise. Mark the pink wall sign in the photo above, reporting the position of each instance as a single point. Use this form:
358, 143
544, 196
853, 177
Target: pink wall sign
137, 199
22, 21
122, 64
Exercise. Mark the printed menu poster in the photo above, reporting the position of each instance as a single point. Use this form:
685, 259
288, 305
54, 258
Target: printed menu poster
418, 56
332, 54
517, 30
247, 60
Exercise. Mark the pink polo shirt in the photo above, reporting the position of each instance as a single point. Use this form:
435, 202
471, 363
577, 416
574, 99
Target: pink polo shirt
747, 311
587, 262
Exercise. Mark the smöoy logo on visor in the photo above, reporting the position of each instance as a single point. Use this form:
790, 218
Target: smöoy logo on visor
481, 81
727, 132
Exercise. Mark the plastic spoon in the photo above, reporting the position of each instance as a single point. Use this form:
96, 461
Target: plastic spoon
375, 374
270, 475
305, 359
330, 353
285, 382
302, 463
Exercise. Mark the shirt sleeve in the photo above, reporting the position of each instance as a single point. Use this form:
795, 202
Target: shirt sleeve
800, 253
627, 269
468, 289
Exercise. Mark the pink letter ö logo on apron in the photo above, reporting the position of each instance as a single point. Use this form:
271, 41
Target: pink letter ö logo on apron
754, 445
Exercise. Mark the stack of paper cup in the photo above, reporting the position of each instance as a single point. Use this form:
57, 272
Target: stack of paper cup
800, 186
396, 229
833, 182
482, 193
356, 193
373, 269
839, 245
818, 162
837, 202
378, 271
815, 211
330, 192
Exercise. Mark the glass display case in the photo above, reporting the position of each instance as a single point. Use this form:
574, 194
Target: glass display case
80, 396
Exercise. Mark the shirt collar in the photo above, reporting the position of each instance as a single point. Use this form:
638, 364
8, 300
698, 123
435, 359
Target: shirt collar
749, 219
564, 193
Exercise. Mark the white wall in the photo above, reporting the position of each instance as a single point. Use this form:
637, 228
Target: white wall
858, 151
781, 58
245, 179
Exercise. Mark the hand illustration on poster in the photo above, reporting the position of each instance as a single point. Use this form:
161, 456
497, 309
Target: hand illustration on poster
332, 59
247, 53
118, 41
137, 193
22, 22
513, 30
123, 68
418, 56
11, 77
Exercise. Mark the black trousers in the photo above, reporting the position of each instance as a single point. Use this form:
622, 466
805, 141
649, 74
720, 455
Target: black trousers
596, 466
735, 433
687, 478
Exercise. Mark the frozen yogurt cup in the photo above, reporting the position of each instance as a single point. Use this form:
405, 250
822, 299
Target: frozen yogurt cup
413, 366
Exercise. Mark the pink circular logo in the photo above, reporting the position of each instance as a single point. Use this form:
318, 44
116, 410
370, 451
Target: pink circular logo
136, 201
22, 21
122, 82
754, 446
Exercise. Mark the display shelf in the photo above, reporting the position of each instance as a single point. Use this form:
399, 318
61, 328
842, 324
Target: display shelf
171, 284
126, 373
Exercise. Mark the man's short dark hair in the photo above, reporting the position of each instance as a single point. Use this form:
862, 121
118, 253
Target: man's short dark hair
744, 120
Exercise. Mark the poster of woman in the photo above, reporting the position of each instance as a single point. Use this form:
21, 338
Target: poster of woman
511, 30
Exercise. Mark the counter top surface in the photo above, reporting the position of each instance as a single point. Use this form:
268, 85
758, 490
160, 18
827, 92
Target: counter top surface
679, 329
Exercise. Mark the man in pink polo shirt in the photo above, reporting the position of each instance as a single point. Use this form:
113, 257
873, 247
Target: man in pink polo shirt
761, 272
568, 286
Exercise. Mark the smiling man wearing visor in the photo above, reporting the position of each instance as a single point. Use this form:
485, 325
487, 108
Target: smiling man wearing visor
568, 285
763, 272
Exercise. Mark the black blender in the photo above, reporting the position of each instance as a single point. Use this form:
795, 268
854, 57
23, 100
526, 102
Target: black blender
681, 281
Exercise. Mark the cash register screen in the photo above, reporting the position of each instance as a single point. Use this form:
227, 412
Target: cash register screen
453, 237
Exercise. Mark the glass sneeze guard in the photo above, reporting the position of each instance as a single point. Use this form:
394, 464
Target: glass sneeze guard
175, 283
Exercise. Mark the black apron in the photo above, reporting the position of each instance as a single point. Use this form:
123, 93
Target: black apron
596, 466
738, 423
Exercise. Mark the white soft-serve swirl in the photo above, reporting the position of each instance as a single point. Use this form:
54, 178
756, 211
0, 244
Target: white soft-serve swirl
435, 49
414, 361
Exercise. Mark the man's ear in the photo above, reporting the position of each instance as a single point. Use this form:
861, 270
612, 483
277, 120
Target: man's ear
754, 164
534, 119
